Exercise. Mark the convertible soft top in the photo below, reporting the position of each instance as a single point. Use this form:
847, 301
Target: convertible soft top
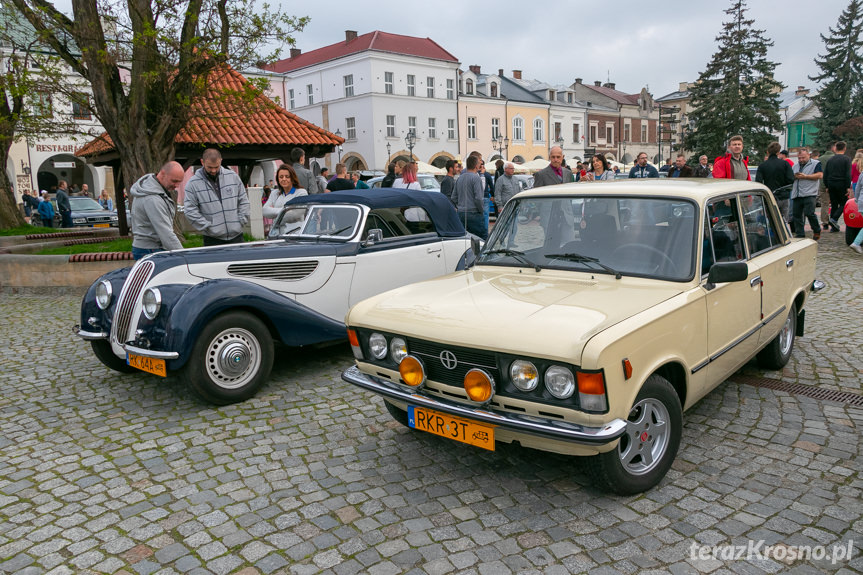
438, 207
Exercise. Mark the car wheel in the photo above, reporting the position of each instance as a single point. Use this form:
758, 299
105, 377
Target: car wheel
103, 352
231, 358
647, 449
778, 352
399, 415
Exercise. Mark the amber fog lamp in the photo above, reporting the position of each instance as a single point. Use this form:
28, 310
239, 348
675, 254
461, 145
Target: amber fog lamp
479, 386
412, 371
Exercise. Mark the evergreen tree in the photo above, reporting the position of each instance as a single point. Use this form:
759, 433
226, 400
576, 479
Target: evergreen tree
736, 93
839, 97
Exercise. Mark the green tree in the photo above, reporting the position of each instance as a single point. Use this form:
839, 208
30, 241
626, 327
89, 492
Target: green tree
148, 63
31, 86
736, 93
839, 97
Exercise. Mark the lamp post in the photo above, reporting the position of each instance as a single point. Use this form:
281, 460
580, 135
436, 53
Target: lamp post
339, 134
25, 169
500, 144
389, 155
410, 142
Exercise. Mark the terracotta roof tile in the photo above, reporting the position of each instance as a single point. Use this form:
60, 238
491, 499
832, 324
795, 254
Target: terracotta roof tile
377, 40
270, 124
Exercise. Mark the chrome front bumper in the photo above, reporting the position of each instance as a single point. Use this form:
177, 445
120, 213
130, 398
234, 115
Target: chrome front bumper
516, 422
149, 352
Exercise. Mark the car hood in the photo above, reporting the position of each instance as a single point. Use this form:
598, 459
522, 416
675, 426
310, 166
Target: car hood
549, 314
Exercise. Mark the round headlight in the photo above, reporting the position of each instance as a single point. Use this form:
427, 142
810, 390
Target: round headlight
398, 349
559, 381
103, 294
151, 302
524, 375
378, 346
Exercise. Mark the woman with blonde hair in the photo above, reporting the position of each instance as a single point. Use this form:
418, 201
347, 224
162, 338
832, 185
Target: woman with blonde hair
856, 169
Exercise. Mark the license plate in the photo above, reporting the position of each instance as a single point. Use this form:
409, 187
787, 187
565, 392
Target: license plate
148, 364
101, 225
444, 425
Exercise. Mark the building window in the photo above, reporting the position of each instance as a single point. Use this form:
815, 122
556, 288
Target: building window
450, 89
538, 130
291, 103
493, 90
626, 132
495, 128
81, 107
412, 85
43, 105
351, 127
412, 124
430, 87
558, 136
471, 128
518, 129
593, 134
432, 129
388, 82
569, 98
552, 95
391, 126
644, 132
576, 133
450, 129
469, 87
609, 133
310, 93
349, 85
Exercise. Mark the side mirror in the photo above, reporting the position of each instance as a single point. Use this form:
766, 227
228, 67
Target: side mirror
475, 245
375, 236
724, 272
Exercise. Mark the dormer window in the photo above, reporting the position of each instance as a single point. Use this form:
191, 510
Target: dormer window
493, 90
551, 95
469, 87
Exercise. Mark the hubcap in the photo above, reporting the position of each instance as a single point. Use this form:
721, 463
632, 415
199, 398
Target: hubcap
646, 438
233, 358
785, 337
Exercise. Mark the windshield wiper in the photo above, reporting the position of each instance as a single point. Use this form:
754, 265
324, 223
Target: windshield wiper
520, 256
574, 257
335, 233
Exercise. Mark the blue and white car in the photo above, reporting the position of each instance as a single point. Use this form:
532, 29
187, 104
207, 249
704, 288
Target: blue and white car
213, 315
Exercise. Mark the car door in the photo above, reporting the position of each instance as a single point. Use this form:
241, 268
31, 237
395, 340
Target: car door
409, 251
733, 308
765, 242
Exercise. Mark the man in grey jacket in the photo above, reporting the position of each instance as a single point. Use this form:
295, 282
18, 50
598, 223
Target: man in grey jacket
505, 187
305, 175
216, 203
153, 210
555, 173
468, 195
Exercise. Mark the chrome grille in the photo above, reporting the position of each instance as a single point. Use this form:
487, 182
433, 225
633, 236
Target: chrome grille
128, 298
467, 359
282, 271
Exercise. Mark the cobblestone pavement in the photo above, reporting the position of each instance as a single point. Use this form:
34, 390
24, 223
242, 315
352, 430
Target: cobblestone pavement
105, 472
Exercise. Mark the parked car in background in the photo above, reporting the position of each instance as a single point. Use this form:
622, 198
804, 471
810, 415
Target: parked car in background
594, 316
212, 315
427, 182
86, 213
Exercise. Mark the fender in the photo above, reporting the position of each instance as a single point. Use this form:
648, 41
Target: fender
293, 323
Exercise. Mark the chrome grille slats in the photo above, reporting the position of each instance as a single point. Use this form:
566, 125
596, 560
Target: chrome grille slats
128, 298
282, 271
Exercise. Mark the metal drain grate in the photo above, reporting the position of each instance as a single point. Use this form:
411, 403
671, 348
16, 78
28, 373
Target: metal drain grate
801, 389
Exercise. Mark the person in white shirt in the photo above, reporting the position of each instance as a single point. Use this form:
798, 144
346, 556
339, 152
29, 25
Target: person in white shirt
286, 190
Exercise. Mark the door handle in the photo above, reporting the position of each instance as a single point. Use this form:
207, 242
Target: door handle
755, 281
789, 263
432, 250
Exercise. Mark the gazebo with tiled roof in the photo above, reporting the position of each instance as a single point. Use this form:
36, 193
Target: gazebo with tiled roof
268, 132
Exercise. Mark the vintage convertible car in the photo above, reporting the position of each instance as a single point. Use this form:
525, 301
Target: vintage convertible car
594, 315
214, 313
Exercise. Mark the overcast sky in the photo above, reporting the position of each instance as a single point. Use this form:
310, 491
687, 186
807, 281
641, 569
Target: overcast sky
624, 42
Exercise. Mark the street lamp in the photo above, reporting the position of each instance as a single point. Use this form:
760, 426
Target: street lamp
389, 155
410, 142
25, 169
339, 134
500, 144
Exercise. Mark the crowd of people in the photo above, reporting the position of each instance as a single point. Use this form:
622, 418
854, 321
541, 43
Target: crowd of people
41, 204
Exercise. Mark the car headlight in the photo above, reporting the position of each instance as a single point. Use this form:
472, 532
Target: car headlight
398, 349
79, 221
113, 218
524, 375
378, 346
559, 381
151, 302
103, 294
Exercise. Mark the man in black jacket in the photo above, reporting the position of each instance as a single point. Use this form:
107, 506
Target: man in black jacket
837, 178
776, 173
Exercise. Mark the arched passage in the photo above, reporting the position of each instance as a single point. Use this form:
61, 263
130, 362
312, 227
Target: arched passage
354, 161
439, 160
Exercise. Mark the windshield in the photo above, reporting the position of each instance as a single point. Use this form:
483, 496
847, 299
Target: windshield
336, 221
85, 205
647, 237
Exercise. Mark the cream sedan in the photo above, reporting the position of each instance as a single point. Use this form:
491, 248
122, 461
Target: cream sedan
592, 318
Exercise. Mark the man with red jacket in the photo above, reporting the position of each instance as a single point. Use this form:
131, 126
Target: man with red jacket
733, 165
